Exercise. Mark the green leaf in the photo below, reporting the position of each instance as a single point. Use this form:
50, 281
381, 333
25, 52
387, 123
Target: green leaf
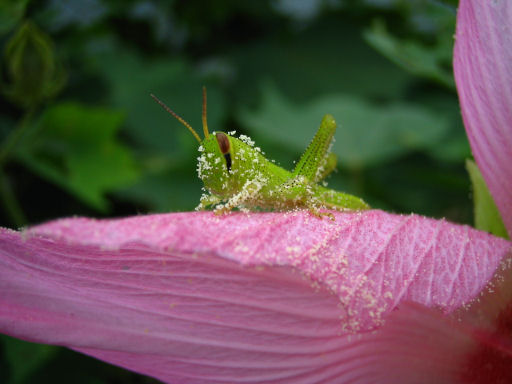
76, 147
58, 15
329, 56
454, 148
132, 79
421, 60
175, 190
487, 216
414, 183
23, 358
11, 12
367, 134
166, 185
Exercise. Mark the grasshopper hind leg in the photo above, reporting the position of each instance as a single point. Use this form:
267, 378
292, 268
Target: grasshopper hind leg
316, 163
340, 201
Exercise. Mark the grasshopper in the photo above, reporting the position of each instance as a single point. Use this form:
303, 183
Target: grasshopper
237, 175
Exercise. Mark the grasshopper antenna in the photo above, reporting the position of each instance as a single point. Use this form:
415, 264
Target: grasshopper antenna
205, 124
180, 119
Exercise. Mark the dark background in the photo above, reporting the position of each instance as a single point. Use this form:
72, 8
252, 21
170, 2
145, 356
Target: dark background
79, 134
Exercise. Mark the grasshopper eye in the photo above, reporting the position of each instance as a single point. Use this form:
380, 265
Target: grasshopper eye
223, 141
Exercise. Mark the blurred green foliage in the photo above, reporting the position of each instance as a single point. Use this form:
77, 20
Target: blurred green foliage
369, 133
75, 147
79, 134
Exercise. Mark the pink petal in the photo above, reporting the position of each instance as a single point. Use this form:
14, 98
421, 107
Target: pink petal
483, 73
269, 297
421, 345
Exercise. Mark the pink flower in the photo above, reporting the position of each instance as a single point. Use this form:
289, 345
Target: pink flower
483, 73
193, 297
286, 297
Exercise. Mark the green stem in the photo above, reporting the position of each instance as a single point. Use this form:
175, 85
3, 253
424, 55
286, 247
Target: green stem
14, 137
10, 202
357, 179
8, 197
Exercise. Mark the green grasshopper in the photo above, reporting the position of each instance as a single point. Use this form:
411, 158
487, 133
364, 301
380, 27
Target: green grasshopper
237, 175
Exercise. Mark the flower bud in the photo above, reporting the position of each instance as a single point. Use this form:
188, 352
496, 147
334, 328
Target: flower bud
30, 67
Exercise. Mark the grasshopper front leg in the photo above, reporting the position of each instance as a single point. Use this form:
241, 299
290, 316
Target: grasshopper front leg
248, 192
208, 200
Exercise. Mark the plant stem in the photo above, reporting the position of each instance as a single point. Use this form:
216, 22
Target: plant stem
10, 202
14, 137
8, 197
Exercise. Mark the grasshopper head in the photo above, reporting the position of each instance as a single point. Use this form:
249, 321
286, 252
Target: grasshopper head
214, 166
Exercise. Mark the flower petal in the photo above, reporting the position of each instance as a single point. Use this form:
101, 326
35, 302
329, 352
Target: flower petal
264, 297
483, 73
